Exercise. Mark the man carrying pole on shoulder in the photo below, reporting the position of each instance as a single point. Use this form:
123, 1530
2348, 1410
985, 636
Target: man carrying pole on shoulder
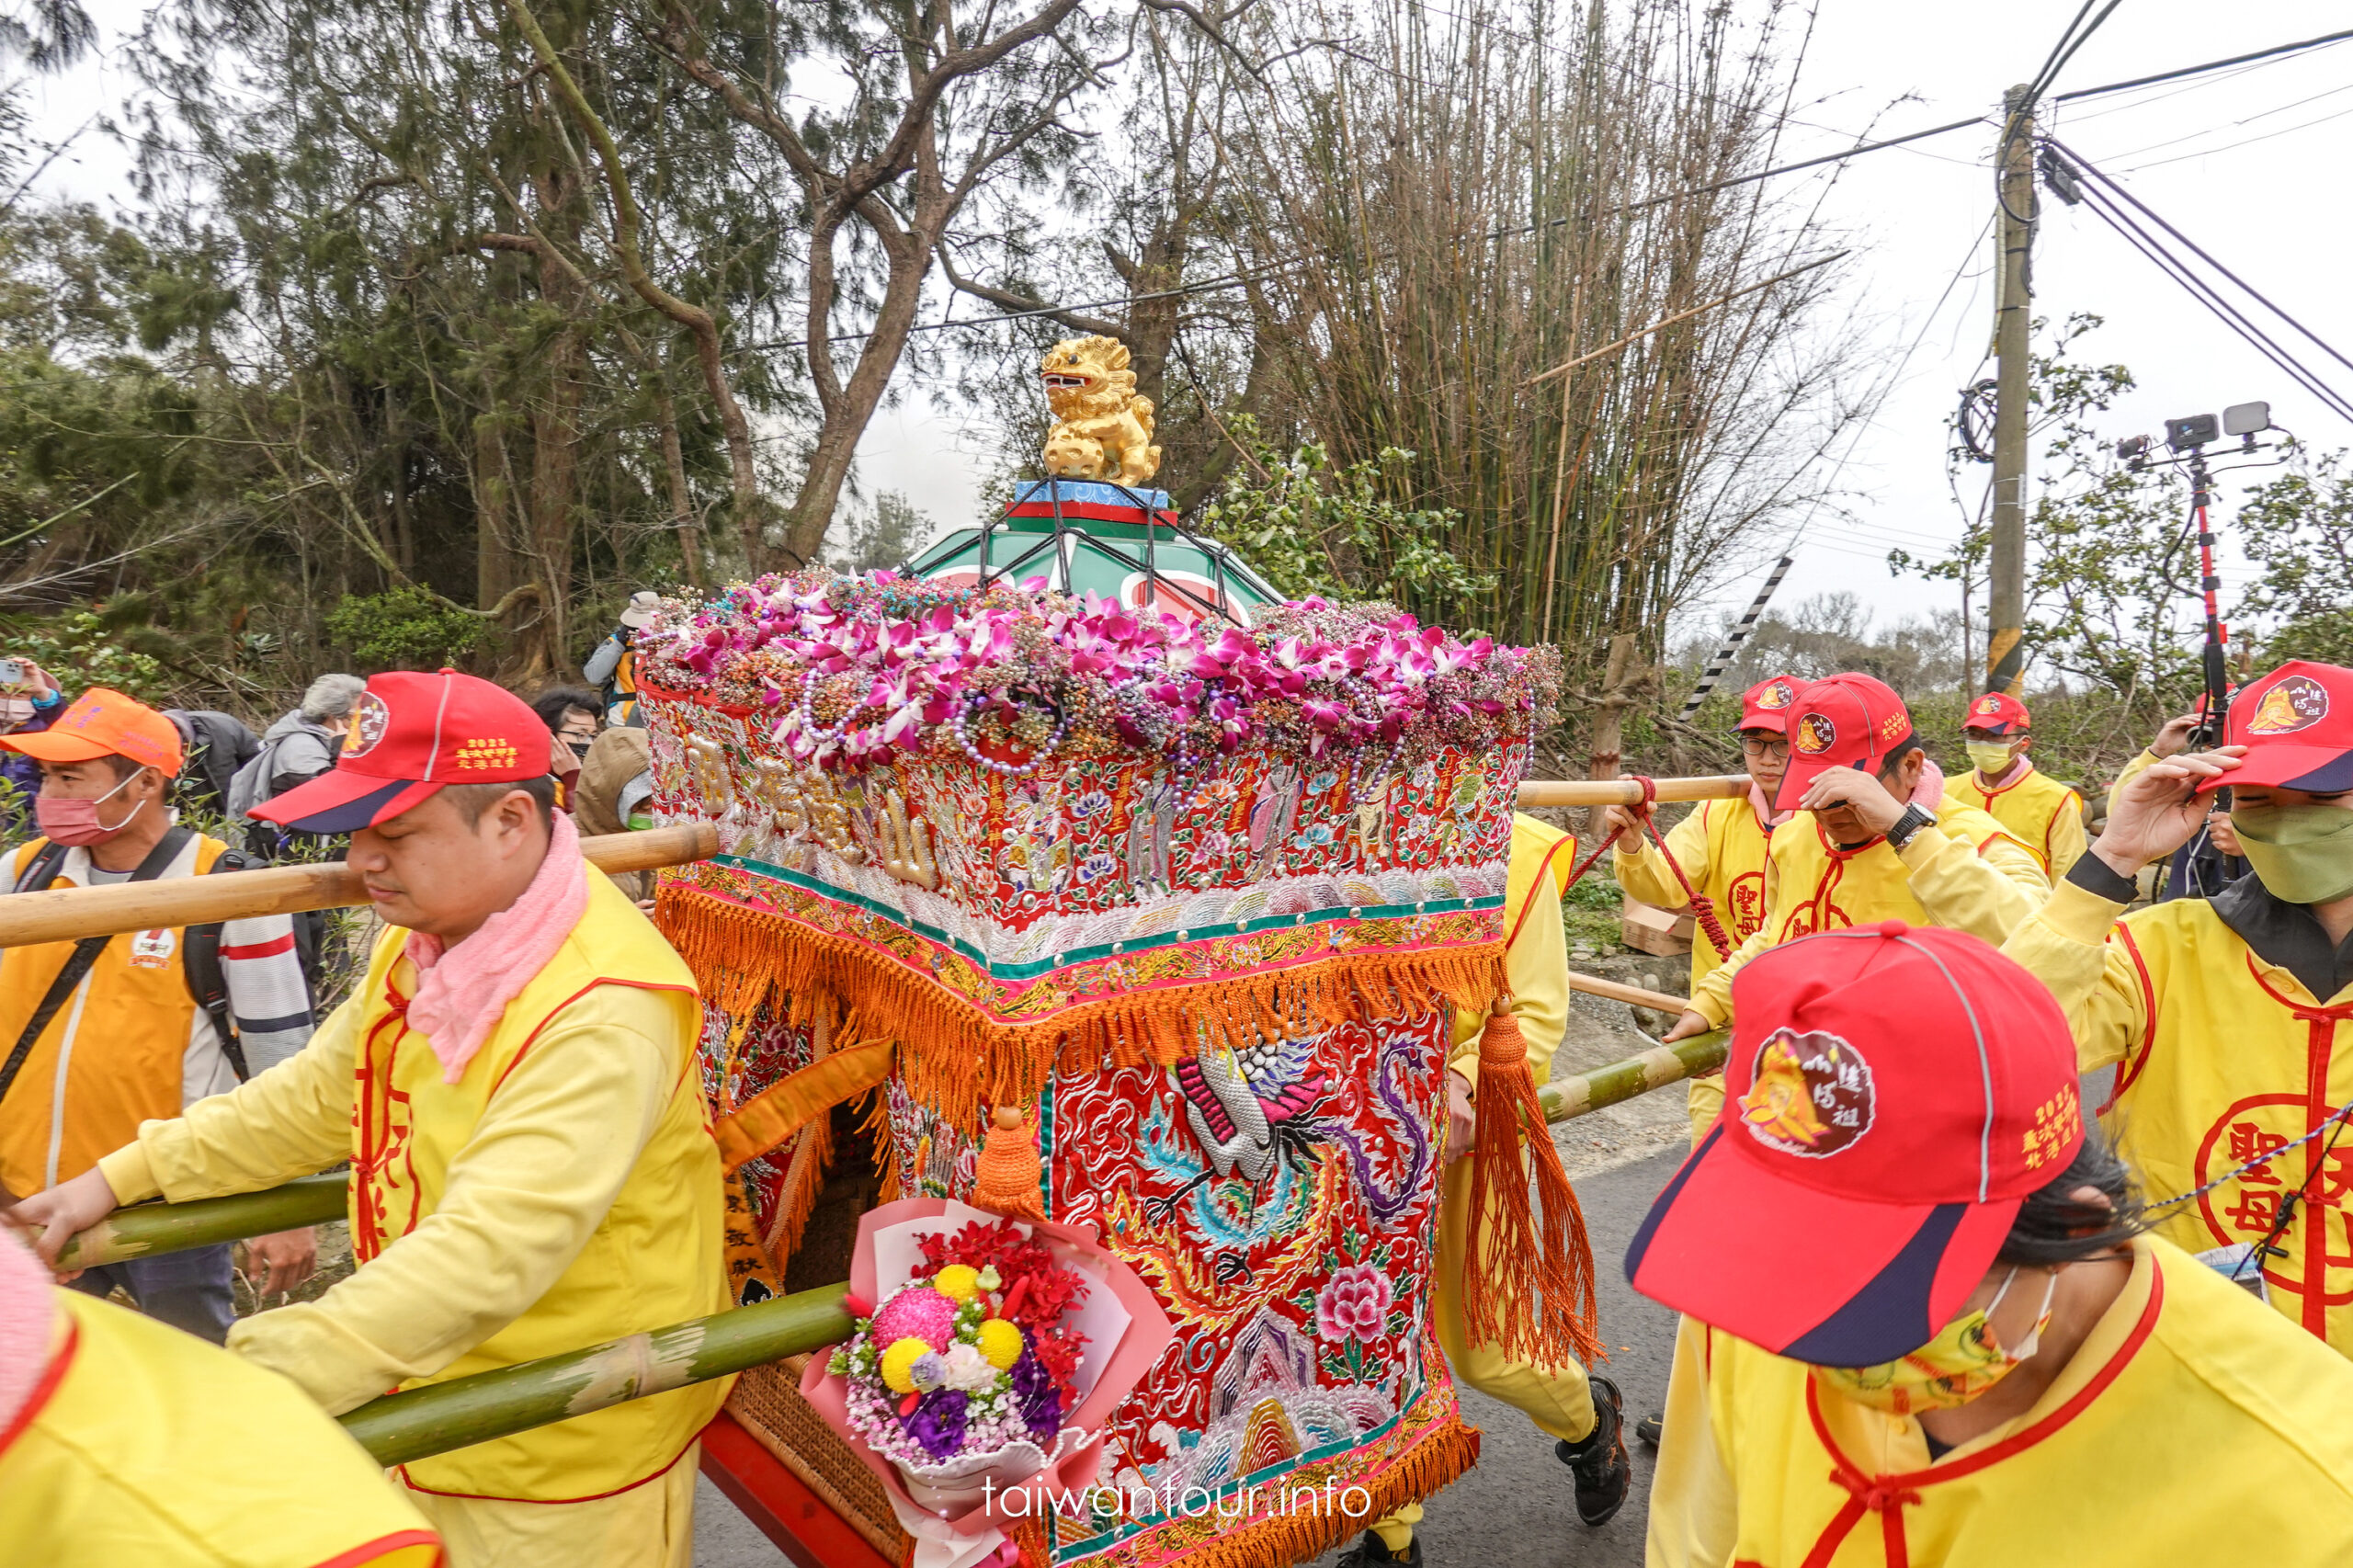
2040, 812
2230, 1019
1878, 838
512, 1084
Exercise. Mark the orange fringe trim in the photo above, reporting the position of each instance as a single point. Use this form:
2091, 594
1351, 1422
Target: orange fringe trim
796, 1196
956, 1059
1527, 1282
1440, 1458
800, 1099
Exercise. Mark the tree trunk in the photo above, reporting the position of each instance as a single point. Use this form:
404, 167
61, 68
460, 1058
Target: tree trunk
1608, 727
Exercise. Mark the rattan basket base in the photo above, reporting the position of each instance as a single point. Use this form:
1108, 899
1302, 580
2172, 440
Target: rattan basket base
767, 1401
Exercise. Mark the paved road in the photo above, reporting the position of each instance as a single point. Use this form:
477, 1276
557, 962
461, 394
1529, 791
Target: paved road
1517, 1506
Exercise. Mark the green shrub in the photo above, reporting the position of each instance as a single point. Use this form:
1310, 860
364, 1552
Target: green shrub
404, 629
82, 652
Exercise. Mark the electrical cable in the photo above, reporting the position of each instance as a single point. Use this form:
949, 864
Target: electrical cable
2102, 205
2087, 166
2233, 125
2210, 65
2051, 61
2234, 146
2050, 72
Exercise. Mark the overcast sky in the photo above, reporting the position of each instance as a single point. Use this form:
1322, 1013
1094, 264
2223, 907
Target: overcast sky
2251, 164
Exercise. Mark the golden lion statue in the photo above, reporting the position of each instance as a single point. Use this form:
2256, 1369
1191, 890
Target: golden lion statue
1102, 425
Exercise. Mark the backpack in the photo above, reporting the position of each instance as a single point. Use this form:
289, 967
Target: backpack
216, 745
201, 948
253, 783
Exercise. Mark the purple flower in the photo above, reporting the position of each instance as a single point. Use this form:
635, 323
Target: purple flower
1036, 1397
937, 1422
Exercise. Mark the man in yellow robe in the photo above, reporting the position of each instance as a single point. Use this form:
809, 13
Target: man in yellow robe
1927, 1327
513, 1085
2040, 812
2230, 1019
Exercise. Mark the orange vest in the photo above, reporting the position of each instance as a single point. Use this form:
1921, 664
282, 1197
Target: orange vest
112, 1056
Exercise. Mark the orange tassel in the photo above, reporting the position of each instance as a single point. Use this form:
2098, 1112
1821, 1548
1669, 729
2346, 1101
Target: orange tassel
1528, 1281
1005, 1176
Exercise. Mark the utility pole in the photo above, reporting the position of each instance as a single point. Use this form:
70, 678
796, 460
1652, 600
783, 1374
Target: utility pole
2005, 661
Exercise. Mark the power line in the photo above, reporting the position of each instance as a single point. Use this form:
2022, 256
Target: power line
2209, 65
2105, 207
2234, 146
2257, 294
2248, 120
2065, 50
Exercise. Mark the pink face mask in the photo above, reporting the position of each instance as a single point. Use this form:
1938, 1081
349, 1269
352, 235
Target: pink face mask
76, 823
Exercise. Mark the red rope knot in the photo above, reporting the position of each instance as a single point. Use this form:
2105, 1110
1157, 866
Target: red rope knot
1875, 1494
1703, 908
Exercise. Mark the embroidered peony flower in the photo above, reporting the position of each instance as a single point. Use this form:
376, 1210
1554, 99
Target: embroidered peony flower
1355, 1300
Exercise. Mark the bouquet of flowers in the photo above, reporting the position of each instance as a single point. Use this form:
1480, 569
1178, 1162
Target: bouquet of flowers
968, 1368
987, 1358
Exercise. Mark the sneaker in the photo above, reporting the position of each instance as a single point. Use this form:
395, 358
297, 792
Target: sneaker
1598, 1462
1648, 1427
1370, 1549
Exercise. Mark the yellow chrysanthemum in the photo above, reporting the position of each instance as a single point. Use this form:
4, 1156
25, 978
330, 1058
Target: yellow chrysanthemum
898, 1364
1000, 1341
959, 1282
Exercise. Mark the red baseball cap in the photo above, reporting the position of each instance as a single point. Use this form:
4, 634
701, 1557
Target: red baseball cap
1893, 1095
408, 735
1845, 720
104, 723
1766, 705
1996, 713
2297, 726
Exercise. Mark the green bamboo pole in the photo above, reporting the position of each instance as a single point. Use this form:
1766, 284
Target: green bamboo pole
1655, 1068
464, 1411
145, 1230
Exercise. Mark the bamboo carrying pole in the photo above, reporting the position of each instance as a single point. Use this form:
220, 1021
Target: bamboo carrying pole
440, 1416
1566, 1098
145, 1230
1629, 791
61, 914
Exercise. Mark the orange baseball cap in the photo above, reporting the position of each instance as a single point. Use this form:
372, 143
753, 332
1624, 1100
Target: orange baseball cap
101, 723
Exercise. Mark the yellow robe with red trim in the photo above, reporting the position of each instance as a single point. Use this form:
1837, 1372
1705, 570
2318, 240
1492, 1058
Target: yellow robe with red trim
2040, 812
2190, 1427
563, 1192
2220, 1057
144, 1447
123, 1033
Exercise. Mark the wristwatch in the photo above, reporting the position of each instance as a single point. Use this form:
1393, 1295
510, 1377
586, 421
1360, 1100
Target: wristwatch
1915, 817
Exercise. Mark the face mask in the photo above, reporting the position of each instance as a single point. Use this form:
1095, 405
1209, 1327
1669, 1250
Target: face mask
579, 749
1954, 1367
76, 823
2304, 854
1991, 757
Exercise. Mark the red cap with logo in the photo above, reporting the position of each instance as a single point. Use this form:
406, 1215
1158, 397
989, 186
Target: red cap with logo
2297, 726
1845, 720
408, 735
1893, 1095
1996, 713
1766, 705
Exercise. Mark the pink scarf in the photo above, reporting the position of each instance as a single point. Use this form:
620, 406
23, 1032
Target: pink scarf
28, 1316
1929, 793
462, 990
1764, 809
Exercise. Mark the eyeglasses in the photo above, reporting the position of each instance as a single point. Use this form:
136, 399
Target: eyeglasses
1757, 745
